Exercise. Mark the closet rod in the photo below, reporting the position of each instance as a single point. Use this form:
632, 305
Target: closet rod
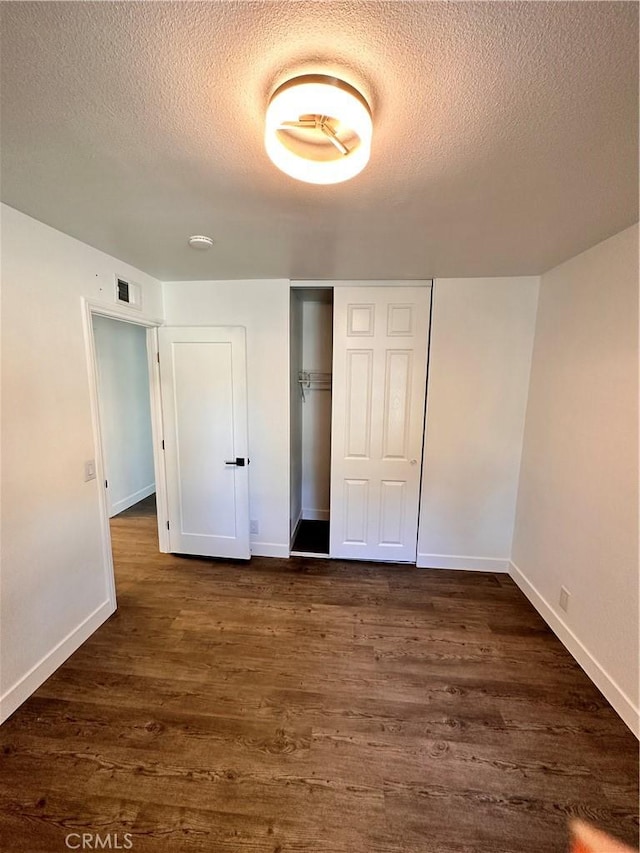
313, 380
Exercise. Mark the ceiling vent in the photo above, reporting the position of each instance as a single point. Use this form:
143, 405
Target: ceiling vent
128, 293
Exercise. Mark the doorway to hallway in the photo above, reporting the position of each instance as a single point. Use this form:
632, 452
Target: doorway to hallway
124, 404
139, 524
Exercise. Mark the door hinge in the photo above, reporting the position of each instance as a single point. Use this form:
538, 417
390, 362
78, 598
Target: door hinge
163, 443
167, 525
158, 357
106, 484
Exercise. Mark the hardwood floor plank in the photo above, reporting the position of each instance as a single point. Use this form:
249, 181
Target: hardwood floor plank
40, 825
289, 706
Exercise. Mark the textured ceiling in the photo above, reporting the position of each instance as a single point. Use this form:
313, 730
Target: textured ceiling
505, 133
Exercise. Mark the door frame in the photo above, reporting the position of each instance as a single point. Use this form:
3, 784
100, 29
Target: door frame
91, 309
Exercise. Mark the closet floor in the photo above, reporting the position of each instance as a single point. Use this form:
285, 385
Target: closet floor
312, 537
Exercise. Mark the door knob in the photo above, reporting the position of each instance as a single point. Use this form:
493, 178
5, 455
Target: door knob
239, 462
414, 462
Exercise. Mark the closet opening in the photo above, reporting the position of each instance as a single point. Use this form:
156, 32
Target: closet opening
311, 365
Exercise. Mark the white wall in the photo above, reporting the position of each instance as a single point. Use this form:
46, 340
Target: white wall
55, 580
577, 517
317, 336
479, 361
262, 307
125, 413
295, 364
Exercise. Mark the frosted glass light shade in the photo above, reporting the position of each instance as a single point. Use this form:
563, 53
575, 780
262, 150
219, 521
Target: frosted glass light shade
318, 129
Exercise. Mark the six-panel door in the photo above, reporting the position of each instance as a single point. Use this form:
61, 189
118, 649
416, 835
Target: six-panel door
204, 404
379, 384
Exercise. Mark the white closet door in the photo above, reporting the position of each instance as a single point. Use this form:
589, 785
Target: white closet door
379, 384
204, 404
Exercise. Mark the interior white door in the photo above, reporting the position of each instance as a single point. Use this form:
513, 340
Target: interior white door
203, 381
379, 384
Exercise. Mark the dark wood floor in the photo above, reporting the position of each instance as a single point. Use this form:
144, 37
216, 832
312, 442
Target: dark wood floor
313, 706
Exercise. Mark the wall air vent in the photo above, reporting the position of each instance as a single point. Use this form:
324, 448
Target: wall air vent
123, 290
128, 293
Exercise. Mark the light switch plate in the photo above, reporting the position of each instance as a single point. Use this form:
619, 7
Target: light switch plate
89, 470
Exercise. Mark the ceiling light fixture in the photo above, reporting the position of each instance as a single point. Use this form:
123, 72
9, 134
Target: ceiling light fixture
200, 242
318, 129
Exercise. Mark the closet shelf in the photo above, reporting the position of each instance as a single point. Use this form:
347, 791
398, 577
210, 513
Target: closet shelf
313, 380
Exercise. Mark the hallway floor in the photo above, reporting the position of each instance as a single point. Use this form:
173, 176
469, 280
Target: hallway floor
316, 706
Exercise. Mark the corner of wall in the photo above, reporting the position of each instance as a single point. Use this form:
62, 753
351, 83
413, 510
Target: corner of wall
526, 412
564, 456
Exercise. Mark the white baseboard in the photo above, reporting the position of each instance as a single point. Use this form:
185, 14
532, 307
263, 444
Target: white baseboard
38, 674
269, 549
612, 691
469, 564
315, 514
130, 500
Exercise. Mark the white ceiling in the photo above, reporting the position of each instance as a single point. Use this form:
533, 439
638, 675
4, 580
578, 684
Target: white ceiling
505, 133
